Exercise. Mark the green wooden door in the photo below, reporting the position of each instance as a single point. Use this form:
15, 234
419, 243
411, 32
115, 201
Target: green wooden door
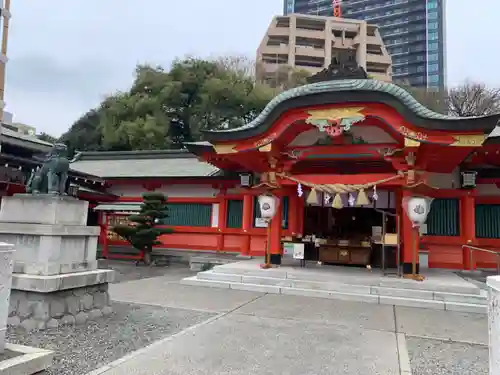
189, 214
487, 220
234, 213
444, 218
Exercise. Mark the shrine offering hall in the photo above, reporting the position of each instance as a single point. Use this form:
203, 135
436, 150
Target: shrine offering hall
343, 157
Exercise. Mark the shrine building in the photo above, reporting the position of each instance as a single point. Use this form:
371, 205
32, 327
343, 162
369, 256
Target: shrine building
342, 156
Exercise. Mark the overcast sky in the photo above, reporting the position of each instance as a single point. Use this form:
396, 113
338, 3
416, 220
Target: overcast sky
65, 55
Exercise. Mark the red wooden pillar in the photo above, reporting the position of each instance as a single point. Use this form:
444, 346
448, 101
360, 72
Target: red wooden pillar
410, 239
275, 237
222, 220
468, 228
247, 223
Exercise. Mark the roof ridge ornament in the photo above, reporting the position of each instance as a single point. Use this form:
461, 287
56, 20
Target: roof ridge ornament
342, 66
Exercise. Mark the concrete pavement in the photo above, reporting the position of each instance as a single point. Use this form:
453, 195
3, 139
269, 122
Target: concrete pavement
255, 333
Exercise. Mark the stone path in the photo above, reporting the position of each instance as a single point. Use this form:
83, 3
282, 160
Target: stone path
255, 333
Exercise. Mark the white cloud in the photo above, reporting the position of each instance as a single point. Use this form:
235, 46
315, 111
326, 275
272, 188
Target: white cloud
65, 55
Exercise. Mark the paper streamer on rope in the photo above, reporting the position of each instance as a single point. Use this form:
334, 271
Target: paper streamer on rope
335, 190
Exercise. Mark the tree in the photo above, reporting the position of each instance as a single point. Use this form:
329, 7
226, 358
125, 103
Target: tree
473, 99
432, 98
84, 134
143, 232
284, 78
166, 107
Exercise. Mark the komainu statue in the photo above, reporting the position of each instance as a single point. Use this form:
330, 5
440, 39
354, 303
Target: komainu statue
52, 176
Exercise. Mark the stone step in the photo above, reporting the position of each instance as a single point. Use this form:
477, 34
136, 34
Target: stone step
358, 279
345, 288
381, 295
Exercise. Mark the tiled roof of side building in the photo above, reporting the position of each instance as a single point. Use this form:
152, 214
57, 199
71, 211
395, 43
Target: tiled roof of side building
24, 140
145, 164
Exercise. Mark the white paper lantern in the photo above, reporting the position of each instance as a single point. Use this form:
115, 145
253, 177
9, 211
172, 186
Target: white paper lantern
417, 210
268, 205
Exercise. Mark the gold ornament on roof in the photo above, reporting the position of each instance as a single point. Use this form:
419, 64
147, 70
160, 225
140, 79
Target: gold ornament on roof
334, 114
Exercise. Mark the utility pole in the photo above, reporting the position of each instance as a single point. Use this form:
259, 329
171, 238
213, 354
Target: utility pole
5, 17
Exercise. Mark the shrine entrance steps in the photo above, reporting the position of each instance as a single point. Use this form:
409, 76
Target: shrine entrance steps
441, 290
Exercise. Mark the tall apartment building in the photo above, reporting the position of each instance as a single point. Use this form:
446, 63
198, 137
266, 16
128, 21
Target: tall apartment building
312, 42
413, 32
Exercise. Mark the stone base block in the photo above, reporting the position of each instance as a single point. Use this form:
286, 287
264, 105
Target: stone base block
35, 311
44, 209
51, 249
25, 360
54, 283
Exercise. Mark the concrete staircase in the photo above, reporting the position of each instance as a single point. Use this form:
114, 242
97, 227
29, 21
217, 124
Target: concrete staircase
441, 290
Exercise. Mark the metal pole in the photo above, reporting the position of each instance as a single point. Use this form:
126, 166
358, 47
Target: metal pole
415, 252
398, 254
3, 58
471, 251
383, 242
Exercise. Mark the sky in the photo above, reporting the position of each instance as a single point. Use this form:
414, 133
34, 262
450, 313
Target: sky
66, 55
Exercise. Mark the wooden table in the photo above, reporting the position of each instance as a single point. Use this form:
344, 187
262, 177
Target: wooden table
358, 255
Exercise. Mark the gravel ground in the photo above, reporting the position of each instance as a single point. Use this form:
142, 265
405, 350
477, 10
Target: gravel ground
81, 349
435, 357
128, 271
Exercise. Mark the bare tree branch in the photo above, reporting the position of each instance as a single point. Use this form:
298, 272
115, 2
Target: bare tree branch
473, 99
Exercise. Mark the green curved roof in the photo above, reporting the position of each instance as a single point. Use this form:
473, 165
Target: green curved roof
371, 90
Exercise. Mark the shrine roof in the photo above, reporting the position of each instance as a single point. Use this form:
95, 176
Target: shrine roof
345, 91
24, 140
143, 164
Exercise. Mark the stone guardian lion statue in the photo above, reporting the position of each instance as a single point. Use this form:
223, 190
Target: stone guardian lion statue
52, 176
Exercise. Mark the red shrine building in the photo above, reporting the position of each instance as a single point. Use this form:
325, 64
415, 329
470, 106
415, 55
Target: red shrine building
341, 155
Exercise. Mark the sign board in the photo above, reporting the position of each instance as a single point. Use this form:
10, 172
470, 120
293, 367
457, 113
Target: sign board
260, 222
298, 251
288, 248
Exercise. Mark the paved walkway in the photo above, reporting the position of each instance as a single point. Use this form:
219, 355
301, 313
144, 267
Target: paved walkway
255, 333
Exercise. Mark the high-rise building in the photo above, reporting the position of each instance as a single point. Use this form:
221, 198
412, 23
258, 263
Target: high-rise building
311, 43
413, 32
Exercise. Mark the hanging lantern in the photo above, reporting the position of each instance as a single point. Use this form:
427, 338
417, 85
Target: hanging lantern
362, 198
268, 205
351, 200
312, 198
337, 202
417, 209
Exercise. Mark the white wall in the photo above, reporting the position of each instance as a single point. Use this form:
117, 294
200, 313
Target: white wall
488, 190
445, 180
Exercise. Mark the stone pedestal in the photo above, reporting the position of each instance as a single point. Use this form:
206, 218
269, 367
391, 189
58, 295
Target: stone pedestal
55, 280
493, 283
6, 267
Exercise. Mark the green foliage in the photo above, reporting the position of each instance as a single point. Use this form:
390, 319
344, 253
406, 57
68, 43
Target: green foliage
164, 108
143, 232
432, 98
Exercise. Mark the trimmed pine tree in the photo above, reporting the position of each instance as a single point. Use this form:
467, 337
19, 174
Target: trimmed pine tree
143, 231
